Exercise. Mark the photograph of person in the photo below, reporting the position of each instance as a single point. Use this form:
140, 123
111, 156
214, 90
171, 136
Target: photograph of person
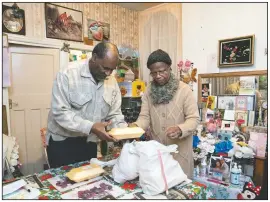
205, 90
220, 166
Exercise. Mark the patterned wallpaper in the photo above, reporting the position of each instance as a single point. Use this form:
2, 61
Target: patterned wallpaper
123, 22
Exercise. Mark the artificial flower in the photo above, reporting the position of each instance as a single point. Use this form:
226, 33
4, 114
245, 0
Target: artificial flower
187, 63
180, 64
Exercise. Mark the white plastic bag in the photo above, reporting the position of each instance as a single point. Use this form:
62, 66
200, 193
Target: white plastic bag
158, 170
126, 167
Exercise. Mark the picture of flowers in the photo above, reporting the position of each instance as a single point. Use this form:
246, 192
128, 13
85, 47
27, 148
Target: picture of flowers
236, 51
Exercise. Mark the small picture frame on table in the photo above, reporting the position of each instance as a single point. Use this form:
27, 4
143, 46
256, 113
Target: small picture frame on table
227, 125
220, 168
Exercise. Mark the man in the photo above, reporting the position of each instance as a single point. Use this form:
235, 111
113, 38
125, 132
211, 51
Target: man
170, 110
85, 100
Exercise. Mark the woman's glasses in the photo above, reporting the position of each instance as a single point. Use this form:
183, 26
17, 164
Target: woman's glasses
161, 72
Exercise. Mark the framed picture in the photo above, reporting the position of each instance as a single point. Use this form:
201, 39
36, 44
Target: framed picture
241, 103
242, 115
98, 31
13, 20
220, 168
226, 102
63, 23
236, 51
227, 125
206, 90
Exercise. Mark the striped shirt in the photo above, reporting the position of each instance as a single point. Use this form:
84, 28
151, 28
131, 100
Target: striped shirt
78, 102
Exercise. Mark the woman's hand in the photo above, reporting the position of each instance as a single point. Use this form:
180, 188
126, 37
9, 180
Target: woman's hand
173, 132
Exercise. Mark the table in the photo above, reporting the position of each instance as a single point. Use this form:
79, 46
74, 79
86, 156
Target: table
220, 191
192, 190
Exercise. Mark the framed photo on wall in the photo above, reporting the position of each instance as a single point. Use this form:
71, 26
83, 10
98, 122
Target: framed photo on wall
63, 23
236, 51
13, 20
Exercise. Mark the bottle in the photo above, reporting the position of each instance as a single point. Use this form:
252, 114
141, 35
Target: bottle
195, 172
241, 176
235, 174
203, 168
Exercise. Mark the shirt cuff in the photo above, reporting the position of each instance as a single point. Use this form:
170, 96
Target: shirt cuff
86, 126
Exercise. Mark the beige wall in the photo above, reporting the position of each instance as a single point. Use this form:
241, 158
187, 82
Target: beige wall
123, 22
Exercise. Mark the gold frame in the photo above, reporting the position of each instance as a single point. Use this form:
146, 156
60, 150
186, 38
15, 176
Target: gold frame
236, 65
227, 74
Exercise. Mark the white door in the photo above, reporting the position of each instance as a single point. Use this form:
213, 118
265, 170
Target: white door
32, 73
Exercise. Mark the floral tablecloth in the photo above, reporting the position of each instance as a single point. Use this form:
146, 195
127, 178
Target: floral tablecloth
220, 191
192, 190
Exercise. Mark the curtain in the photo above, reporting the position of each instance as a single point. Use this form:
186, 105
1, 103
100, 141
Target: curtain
160, 28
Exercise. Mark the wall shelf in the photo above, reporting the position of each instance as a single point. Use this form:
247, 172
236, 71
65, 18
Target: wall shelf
49, 43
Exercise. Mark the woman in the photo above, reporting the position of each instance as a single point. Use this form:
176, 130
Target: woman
169, 109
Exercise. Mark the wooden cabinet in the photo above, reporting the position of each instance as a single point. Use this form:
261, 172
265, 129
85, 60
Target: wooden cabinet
260, 171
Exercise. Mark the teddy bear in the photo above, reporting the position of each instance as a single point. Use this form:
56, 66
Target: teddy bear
249, 192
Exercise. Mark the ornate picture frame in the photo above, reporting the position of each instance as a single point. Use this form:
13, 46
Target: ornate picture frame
237, 51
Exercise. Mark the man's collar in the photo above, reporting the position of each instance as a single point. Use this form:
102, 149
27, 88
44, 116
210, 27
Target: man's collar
85, 72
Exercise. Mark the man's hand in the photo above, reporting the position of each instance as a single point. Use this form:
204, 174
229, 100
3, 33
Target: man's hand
99, 129
173, 132
132, 125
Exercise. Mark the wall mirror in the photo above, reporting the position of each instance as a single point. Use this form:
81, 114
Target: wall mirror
229, 84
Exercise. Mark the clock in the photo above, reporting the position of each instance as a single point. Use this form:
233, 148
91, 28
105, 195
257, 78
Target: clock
13, 20
264, 105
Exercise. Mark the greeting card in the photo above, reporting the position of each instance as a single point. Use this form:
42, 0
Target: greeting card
243, 115
241, 103
258, 141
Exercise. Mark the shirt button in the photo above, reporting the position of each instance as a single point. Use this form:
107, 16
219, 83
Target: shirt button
163, 128
163, 114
